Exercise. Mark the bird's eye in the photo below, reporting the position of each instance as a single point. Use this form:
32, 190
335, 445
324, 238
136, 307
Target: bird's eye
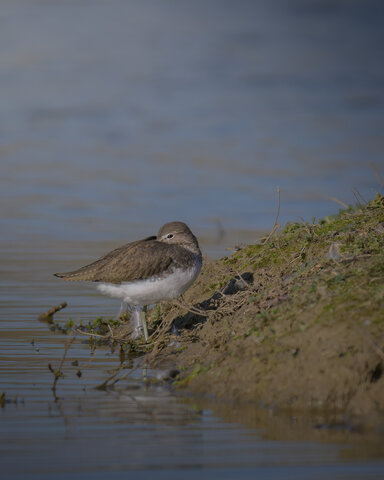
170, 235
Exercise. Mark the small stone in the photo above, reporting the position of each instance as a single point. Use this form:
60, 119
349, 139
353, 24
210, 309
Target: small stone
238, 283
334, 252
322, 290
168, 374
174, 330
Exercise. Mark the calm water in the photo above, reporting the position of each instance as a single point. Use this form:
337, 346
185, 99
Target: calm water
117, 116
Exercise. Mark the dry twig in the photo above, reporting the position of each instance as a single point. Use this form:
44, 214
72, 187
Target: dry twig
377, 173
58, 372
48, 316
275, 225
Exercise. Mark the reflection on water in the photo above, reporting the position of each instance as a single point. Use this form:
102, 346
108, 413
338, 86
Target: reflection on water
147, 429
119, 116
136, 428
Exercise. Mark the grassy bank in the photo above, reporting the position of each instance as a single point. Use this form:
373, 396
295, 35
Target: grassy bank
295, 320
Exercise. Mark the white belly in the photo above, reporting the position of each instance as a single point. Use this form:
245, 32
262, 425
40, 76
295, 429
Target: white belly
153, 290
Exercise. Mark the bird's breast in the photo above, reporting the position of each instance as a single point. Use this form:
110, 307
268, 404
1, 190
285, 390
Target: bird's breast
154, 289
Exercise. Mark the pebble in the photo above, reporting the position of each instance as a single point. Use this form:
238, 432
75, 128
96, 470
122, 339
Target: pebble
334, 252
168, 374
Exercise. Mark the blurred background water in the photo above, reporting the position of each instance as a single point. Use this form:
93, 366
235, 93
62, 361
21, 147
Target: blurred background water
119, 115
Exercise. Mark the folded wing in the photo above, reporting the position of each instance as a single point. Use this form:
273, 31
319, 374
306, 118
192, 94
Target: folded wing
136, 260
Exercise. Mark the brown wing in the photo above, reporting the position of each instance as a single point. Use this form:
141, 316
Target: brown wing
141, 259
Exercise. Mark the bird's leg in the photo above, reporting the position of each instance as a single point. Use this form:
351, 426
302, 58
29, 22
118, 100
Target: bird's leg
123, 309
144, 372
136, 323
144, 323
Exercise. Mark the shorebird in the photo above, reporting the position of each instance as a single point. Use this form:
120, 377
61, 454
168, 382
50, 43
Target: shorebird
147, 271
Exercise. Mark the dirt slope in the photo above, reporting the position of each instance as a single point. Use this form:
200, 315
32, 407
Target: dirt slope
294, 321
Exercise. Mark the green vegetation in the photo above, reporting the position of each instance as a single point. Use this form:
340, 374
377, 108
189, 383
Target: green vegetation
335, 267
305, 329
187, 379
102, 326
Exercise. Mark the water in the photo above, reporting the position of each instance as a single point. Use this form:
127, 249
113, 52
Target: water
117, 116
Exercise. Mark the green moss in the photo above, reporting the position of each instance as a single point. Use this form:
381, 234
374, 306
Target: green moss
196, 371
101, 325
298, 266
317, 291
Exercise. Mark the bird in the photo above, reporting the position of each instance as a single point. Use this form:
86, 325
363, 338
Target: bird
147, 271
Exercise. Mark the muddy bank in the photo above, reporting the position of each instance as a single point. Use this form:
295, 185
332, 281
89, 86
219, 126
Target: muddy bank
294, 321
